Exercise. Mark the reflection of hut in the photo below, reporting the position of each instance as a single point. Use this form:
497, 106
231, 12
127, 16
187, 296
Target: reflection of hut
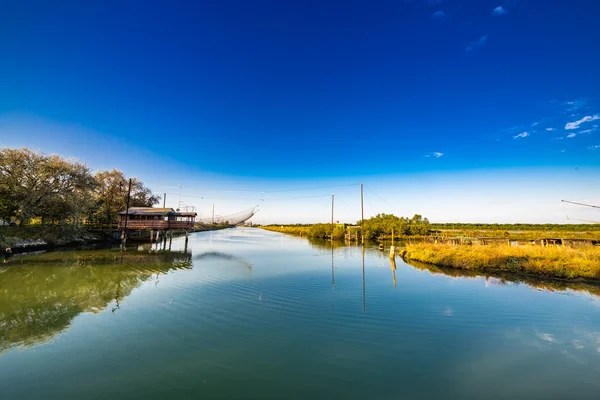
156, 219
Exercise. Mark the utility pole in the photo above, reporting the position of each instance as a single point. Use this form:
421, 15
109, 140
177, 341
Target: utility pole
332, 203
362, 215
165, 200
213, 215
124, 234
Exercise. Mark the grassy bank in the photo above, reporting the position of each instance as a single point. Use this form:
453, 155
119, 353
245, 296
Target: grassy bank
317, 231
558, 262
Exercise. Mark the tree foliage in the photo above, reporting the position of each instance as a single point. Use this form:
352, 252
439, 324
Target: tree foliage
383, 224
54, 189
111, 195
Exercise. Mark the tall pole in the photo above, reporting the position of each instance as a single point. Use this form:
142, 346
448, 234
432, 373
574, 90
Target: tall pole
164, 200
127, 207
362, 215
124, 233
213, 217
332, 204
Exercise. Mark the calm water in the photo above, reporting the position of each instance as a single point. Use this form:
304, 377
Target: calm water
255, 314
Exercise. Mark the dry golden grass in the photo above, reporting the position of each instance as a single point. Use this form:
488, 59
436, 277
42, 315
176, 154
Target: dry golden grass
559, 262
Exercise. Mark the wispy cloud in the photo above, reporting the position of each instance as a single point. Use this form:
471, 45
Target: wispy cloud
498, 11
550, 129
521, 135
438, 15
574, 105
587, 131
576, 124
594, 147
571, 135
475, 44
435, 154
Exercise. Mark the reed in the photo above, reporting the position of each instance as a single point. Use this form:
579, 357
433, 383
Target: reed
559, 262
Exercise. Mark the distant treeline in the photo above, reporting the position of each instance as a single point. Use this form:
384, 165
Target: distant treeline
49, 189
383, 225
374, 227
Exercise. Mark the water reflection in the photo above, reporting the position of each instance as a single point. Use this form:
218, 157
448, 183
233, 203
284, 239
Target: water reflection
363, 280
393, 267
40, 295
219, 256
510, 278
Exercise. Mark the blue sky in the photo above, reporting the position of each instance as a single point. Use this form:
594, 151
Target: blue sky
461, 110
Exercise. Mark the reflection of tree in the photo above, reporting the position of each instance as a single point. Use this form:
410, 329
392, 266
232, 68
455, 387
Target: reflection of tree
507, 278
40, 295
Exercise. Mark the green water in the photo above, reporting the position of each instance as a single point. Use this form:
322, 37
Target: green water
247, 313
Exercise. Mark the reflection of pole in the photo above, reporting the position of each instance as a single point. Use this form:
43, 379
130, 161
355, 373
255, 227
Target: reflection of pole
332, 267
363, 278
362, 215
393, 267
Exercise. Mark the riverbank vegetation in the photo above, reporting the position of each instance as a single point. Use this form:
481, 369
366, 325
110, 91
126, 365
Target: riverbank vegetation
558, 262
36, 188
381, 225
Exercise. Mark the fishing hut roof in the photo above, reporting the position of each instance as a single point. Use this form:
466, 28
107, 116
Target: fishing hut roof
149, 211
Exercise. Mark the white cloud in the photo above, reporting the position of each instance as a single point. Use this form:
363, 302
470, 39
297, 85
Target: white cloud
439, 15
475, 44
498, 11
587, 131
549, 129
521, 135
438, 154
594, 147
575, 125
571, 135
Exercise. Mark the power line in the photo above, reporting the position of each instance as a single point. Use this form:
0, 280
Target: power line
380, 197
372, 209
311, 188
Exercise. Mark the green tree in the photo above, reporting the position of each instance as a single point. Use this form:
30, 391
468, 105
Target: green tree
34, 184
111, 195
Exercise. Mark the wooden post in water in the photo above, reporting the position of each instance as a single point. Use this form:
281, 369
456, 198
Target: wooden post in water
393, 249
